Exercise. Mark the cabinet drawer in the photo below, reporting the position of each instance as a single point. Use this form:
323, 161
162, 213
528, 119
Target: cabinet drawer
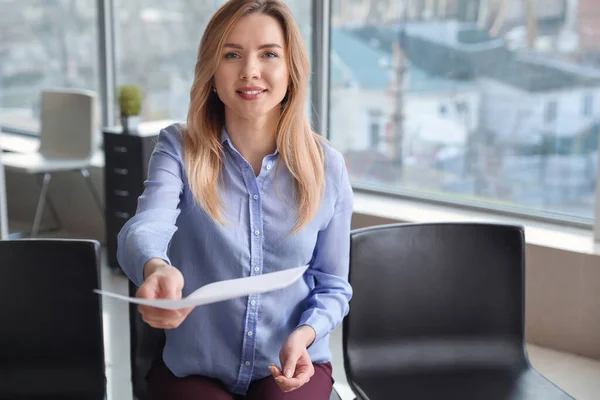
124, 178
121, 200
114, 222
123, 151
122, 145
111, 247
121, 216
112, 244
115, 219
126, 165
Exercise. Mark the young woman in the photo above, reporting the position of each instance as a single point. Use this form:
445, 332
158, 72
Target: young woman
244, 188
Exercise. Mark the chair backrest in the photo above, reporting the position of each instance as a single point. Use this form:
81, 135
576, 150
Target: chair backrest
51, 318
435, 297
68, 123
146, 348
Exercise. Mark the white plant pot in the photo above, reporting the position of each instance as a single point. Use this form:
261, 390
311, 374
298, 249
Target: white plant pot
130, 124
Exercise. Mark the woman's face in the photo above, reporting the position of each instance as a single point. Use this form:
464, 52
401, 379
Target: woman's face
252, 77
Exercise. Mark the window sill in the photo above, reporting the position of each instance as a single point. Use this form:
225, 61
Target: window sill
538, 233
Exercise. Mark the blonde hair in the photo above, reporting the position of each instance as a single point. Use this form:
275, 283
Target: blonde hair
300, 148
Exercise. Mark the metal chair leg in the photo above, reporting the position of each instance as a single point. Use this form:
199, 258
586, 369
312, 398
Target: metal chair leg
47, 201
95, 195
40, 206
54, 213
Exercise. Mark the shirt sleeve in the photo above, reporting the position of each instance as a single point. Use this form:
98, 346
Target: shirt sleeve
329, 301
148, 233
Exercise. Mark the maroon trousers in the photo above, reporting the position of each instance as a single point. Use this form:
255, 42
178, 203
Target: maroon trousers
163, 385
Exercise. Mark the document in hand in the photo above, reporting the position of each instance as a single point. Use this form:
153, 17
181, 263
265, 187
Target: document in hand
223, 290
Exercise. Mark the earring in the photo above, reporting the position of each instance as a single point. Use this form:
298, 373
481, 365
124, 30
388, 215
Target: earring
214, 89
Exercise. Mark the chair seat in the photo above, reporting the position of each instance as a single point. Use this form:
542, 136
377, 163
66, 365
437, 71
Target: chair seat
476, 385
35, 163
53, 381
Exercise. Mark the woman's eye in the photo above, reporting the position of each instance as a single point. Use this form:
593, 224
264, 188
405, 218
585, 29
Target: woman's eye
270, 54
231, 55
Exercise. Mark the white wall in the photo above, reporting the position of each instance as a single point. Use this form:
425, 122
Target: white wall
71, 196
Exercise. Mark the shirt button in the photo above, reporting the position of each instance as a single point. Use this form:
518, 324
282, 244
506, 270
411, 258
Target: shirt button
255, 197
249, 333
256, 232
256, 269
247, 363
253, 302
268, 166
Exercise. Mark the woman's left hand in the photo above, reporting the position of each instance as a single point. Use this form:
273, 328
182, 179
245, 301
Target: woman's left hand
297, 367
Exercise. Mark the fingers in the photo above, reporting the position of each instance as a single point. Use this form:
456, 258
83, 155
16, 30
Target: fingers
163, 319
169, 287
303, 374
280, 380
289, 384
162, 287
288, 360
275, 371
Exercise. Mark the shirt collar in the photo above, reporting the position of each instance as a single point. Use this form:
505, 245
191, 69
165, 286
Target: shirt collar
225, 138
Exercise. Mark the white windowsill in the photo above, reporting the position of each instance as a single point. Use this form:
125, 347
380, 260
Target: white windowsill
538, 233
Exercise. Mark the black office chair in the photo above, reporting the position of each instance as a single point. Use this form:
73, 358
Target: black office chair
438, 313
51, 335
146, 348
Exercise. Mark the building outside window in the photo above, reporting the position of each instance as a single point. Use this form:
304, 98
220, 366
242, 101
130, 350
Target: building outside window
45, 44
478, 107
157, 43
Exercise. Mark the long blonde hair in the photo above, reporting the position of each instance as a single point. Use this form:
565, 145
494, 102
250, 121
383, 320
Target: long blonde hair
300, 148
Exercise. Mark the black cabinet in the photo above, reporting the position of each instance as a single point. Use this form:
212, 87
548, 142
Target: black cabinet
126, 169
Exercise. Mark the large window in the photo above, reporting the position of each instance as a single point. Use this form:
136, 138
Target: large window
45, 44
157, 45
491, 103
453, 101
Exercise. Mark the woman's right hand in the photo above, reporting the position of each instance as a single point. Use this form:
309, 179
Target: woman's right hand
162, 281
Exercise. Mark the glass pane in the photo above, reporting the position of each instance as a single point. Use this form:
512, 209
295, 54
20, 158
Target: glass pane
467, 103
45, 44
302, 10
157, 45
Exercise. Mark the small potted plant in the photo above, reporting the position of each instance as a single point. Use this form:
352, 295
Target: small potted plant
130, 105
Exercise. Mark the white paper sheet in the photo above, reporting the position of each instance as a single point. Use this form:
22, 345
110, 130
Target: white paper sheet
223, 290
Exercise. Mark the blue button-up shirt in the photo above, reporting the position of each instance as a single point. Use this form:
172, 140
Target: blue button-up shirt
236, 340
